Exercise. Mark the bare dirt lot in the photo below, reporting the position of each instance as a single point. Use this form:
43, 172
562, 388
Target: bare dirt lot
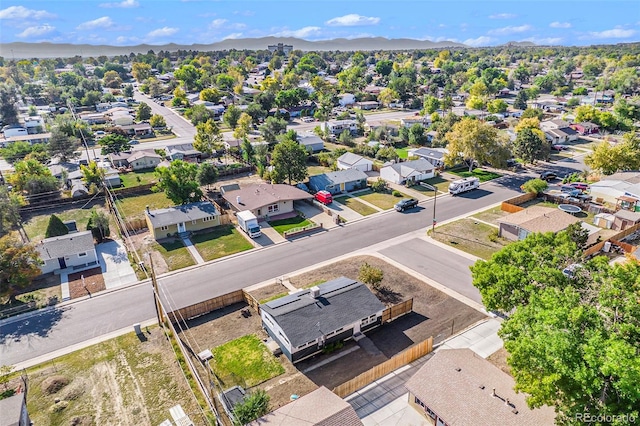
86, 283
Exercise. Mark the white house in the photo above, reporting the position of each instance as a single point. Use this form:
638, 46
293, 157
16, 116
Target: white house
67, 251
346, 99
349, 160
409, 171
433, 155
410, 121
144, 159
336, 127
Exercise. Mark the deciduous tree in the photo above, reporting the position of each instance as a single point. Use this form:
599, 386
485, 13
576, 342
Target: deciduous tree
114, 143
207, 174
62, 145
474, 141
19, 264
231, 116
271, 128
9, 210
98, 224
143, 113
179, 182
371, 275
289, 158
530, 147
92, 174
208, 138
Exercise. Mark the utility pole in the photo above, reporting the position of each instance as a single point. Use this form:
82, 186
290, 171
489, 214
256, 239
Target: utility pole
435, 197
156, 294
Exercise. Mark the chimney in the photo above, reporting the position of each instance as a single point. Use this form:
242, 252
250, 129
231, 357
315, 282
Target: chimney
238, 199
507, 403
148, 212
493, 392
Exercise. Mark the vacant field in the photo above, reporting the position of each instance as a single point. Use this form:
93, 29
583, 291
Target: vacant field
245, 361
128, 380
356, 205
175, 254
384, 200
283, 225
222, 241
476, 238
483, 175
138, 178
135, 206
491, 215
36, 225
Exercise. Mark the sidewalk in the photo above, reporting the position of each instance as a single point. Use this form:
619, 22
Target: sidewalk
192, 250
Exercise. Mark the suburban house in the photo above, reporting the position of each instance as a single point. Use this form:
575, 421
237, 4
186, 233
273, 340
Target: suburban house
311, 142
517, 226
367, 105
408, 171
433, 155
349, 160
410, 121
339, 181
137, 160
624, 219
622, 188
558, 131
346, 99
93, 117
25, 137
371, 126
140, 129
121, 118
308, 320
163, 223
553, 125
336, 127
458, 387
266, 200
60, 169
184, 151
585, 128
320, 407
67, 251
13, 410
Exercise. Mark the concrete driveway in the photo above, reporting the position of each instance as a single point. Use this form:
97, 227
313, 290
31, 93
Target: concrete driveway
316, 215
116, 269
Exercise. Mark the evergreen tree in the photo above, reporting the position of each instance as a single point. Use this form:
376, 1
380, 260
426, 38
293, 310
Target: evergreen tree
55, 227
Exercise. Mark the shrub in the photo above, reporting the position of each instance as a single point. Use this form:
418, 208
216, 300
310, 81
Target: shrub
534, 185
396, 193
379, 185
254, 406
493, 236
371, 275
332, 347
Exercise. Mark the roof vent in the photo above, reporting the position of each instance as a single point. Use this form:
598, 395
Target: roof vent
514, 411
315, 292
238, 200
481, 387
458, 369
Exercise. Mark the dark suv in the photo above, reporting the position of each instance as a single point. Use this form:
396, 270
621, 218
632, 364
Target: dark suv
407, 203
548, 176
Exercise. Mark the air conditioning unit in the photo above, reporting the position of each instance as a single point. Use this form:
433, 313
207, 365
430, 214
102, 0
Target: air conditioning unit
315, 292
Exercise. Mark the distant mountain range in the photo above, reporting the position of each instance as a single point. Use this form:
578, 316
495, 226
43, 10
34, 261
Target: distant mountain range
19, 50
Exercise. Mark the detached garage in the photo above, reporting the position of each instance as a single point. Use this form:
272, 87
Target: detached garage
349, 160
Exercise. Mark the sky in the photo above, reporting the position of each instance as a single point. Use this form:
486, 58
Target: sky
472, 22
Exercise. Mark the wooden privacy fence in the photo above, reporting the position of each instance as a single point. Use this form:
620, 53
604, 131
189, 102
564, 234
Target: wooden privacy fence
397, 310
403, 358
512, 205
251, 301
510, 208
615, 239
628, 248
206, 306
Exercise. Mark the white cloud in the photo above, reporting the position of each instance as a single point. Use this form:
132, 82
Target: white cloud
545, 41
439, 39
232, 36
162, 32
21, 12
125, 4
557, 24
301, 33
352, 20
502, 16
244, 12
36, 31
480, 41
104, 22
511, 30
614, 33
223, 23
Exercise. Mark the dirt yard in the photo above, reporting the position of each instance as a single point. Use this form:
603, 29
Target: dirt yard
129, 380
499, 359
93, 282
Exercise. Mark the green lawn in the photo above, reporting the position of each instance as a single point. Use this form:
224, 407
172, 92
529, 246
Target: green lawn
356, 205
283, 225
439, 182
36, 226
131, 179
317, 170
483, 175
402, 153
383, 200
245, 361
134, 206
476, 238
222, 241
175, 254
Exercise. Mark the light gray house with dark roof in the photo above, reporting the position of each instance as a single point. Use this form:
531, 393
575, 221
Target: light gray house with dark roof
340, 181
163, 223
433, 155
349, 160
408, 171
305, 322
67, 251
311, 142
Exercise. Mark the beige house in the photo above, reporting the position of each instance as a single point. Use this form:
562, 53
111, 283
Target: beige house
163, 223
144, 159
517, 226
457, 387
320, 407
266, 200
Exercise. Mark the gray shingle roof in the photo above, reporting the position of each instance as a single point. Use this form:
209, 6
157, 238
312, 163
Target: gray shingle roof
336, 178
350, 158
628, 215
65, 245
408, 167
341, 302
457, 384
11, 409
428, 152
179, 214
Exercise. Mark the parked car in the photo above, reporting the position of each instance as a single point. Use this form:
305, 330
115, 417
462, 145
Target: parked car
407, 203
548, 176
559, 147
579, 185
512, 163
570, 190
133, 142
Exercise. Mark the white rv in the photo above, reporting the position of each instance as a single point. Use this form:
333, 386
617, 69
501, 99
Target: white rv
463, 185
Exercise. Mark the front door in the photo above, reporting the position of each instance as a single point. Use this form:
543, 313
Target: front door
342, 187
182, 228
62, 263
356, 328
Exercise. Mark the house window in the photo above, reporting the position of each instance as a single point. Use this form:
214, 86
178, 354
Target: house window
82, 254
208, 218
417, 401
273, 208
429, 412
193, 222
164, 228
